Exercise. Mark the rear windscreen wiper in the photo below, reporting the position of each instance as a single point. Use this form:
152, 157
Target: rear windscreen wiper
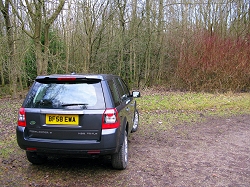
74, 104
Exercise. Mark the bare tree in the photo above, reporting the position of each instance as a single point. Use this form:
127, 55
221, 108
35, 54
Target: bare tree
41, 17
133, 33
5, 8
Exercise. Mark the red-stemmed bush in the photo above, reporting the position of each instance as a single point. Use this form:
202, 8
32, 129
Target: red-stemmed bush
213, 63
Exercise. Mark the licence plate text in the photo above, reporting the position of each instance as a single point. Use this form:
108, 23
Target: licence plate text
62, 119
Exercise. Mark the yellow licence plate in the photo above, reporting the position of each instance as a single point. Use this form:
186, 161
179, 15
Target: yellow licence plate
67, 119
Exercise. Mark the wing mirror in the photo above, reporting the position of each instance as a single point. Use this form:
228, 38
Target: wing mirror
136, 94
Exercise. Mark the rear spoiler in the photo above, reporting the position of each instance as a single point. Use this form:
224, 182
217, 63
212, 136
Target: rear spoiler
66, 79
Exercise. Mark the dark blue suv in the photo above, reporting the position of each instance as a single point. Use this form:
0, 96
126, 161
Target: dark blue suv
78, 115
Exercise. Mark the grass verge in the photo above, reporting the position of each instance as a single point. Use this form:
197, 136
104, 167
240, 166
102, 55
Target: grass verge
164, 110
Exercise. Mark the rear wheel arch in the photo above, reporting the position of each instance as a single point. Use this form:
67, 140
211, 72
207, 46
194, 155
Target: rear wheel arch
124, 129
127, 128
124, 124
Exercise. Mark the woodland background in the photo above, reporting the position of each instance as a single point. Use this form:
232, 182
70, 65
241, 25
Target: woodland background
194, 45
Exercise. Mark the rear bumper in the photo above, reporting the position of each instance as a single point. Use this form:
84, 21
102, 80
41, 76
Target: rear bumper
109, 144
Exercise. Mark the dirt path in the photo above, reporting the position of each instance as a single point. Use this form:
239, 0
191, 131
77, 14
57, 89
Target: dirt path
212, 153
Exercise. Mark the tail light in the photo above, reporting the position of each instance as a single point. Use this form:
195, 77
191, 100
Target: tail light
66, 78
110, 119
21, 118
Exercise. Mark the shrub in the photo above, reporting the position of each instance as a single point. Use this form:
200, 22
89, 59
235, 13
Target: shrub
210, 62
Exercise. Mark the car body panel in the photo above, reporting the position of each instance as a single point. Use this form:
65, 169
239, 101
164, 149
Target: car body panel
80, 132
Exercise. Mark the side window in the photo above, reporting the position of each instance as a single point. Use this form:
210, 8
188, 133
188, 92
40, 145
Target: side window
124, 93
120, 89
126, 90
114, 92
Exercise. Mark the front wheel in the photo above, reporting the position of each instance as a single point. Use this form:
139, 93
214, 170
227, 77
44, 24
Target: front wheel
120, 160
135, 121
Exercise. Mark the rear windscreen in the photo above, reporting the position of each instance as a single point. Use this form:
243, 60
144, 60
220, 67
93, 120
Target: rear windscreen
67, 96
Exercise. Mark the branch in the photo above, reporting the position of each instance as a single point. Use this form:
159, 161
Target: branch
32, 14
56, 13
2, 8
20, 19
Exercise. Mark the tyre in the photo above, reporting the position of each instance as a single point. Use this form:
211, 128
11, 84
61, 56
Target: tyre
34, 158
120, 160
135, 121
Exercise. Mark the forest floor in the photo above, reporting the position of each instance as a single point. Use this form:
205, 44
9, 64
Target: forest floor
214, 152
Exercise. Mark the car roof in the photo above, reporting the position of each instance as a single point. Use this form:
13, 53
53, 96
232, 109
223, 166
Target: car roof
90, 76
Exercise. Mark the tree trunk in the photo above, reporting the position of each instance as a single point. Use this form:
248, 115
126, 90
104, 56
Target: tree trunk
121, 7
46, 50
39, 58
12, 65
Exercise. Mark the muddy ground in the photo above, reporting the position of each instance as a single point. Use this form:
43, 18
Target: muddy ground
215, 152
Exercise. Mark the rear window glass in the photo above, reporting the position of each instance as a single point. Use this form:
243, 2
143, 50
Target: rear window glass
67, 96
